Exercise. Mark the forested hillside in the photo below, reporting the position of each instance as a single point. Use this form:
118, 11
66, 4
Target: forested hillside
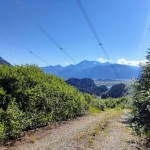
118, 90
4, 62
86, 85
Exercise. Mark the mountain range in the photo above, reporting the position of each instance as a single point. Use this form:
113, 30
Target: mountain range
90, 69
94, 70
4, 62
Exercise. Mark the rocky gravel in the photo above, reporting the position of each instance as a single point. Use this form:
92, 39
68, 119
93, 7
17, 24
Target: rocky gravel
107, 130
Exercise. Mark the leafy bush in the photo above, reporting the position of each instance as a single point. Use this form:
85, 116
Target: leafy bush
29, 99
123, 102
141, 105
99, 104
102, 104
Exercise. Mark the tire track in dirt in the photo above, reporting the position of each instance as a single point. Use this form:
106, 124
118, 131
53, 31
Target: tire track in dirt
102, 131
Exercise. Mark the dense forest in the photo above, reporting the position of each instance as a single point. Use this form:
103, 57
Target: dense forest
116, 91
87, 85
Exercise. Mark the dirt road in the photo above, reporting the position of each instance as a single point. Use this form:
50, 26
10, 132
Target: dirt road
102, 131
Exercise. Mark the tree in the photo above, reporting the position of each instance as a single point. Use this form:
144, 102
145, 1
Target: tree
141, 110
117, 90
86, 85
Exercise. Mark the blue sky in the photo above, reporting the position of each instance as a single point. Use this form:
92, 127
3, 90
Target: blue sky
122, 25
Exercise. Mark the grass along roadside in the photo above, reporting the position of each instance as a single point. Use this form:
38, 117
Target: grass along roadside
87, 136
104, 130
93, 109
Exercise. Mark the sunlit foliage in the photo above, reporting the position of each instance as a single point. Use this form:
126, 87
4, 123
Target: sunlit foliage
141, 105
29, 99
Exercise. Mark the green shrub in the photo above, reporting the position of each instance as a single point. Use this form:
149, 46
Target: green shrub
123, 102
141, 104
2, 127
30, 99
102, 104
99, 104
13, 121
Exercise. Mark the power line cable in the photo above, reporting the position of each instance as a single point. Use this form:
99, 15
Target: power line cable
35, 23
24, 47
84, 13
30, 51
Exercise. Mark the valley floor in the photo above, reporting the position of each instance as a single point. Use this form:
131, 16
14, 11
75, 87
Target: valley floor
107, 130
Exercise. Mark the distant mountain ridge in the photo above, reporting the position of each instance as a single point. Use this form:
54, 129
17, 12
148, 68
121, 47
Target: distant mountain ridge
4, 62
94, 70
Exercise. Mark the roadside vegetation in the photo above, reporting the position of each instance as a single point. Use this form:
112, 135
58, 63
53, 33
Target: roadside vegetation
141, 103
30, 99
109, 103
